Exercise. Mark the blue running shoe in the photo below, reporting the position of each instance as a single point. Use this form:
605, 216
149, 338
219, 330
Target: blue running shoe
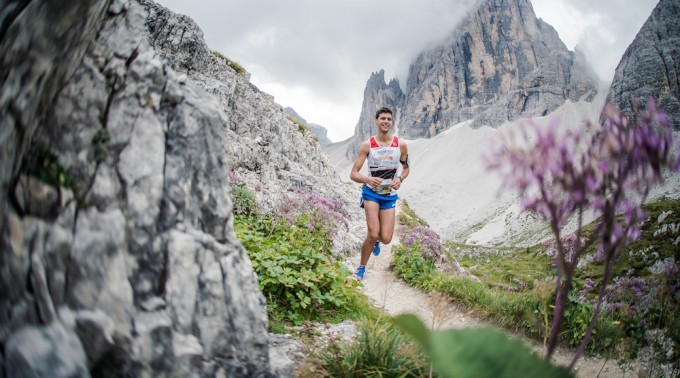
359, 274
376, 249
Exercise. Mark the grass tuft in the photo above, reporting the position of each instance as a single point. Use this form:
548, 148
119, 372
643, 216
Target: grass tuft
380, 350
230, 63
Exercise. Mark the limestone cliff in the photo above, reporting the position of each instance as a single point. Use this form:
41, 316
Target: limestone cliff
267, 147
651, 64
376, 95
319, 131
501, 62
120, 133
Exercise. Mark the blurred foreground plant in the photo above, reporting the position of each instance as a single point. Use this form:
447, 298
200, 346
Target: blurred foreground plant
477, 352
606, 172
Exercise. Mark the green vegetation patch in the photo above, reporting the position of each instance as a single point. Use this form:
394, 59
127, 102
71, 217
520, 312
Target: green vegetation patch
408, 217
231, 63
290, 253
506, 267
303, 128
296, 273
99, 141
45, 166
243, 200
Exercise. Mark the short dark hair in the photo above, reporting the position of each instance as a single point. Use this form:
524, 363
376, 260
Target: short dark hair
382, 110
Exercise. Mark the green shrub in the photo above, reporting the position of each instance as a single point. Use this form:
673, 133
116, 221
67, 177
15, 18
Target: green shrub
607, 334
296, 273
243, 200
576, 319
410, 265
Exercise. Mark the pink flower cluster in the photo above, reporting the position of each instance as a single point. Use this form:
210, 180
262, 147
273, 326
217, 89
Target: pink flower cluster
631, 295
233, 178
423, 238
321, 213
570, 245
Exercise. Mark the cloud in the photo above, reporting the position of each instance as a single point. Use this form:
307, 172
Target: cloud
316, 56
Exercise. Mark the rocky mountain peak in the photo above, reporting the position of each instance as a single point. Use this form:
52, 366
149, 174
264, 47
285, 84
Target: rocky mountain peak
500, 62
376, 95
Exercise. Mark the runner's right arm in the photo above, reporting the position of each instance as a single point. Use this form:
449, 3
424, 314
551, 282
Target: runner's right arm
356, 175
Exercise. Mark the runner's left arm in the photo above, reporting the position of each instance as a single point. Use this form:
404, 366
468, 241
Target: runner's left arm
403, 159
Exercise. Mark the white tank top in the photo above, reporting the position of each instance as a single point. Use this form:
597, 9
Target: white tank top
383, 162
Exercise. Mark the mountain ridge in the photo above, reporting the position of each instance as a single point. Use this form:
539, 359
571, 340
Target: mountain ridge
500, 63
319, 131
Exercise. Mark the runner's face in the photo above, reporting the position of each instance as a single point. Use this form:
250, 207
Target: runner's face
384, 122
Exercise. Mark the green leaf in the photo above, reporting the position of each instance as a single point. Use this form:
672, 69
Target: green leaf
410, 324
487, 352
478, 352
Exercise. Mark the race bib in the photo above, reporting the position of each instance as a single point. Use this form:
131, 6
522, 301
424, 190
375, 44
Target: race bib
383, 188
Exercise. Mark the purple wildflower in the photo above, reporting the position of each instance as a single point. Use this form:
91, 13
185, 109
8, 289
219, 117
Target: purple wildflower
424, 239
233, 178
607, 172
587, 289
633, 294
320, 213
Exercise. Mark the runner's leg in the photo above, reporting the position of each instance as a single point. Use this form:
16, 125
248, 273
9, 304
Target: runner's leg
372, 211
386, 225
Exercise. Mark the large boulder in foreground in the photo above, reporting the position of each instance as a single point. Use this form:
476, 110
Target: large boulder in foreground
118, 254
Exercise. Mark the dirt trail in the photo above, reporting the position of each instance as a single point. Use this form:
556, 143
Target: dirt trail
395, 297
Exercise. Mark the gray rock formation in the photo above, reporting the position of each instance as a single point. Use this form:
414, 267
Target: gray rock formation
129, 265
376, 95
321, 134
267, 152
650, 65
319, 131
500, 63
41, 43
267, 146
120, 132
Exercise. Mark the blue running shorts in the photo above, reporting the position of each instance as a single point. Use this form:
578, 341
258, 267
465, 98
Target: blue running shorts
385, 202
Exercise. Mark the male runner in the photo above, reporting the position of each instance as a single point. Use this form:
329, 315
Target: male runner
384, 152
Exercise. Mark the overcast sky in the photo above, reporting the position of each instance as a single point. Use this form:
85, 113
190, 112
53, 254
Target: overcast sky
316, 56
